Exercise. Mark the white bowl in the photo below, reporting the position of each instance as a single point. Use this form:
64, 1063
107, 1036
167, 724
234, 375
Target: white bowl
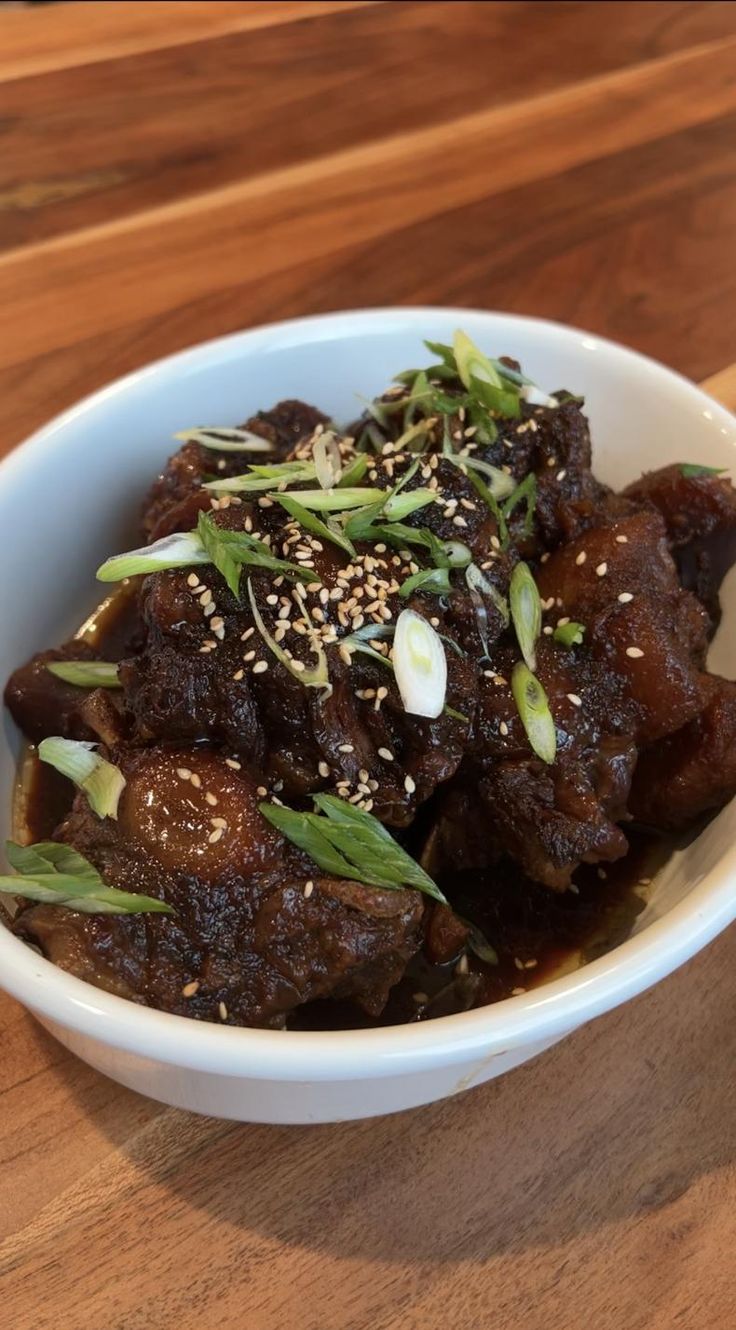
71, 495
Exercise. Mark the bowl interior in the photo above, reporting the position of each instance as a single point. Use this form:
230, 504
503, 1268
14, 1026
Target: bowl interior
71, 496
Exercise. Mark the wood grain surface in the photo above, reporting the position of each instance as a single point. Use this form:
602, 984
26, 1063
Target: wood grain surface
170, 172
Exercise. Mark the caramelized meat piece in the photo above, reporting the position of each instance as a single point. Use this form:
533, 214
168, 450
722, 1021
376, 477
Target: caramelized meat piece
552, 818
699, 513
621, 583
693, 771
41, 704
194, 682
176, 496
245, 934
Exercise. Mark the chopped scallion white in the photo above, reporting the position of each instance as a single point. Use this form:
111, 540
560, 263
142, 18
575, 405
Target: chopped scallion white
102, 782
420, 665
179, 550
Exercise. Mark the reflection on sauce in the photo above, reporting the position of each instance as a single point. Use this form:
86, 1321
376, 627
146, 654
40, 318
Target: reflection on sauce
538, 934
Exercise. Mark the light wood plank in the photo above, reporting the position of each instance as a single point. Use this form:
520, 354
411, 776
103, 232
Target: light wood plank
147, 130
723, 386
35, 41
180, 252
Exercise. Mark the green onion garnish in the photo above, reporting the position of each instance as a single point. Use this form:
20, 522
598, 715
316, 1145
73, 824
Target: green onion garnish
102, 782
690, 469
569, 634
533, 708
230, 551
337, 500
312, 523
354, 472
457, 553
526, 612
86, 673
56, 875
492, 504
433, 580
501, 483
264, 478
180, 550
327, 460
350, 843
525, 492
226, 440
317, 676
420, 665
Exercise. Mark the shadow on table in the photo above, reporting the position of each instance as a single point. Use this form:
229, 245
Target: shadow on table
619, 1119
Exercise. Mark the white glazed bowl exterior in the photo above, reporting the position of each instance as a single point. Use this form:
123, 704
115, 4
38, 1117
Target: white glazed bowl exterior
69, 497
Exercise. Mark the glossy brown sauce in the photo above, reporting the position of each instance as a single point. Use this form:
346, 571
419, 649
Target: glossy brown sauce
537, 933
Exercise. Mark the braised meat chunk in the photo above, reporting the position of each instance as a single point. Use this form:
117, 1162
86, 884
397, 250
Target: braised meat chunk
256, 932
393, 718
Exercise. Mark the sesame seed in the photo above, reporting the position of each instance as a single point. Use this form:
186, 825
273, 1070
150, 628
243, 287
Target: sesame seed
420, 998
230, 762
345, 654
308, 889
265, 503
545, 557
551, 461
209, 609
516, 992
602, 874
249, 655
644, 881
547, 630
495, 543
561, 474
531, 965
580, 559
196, 781
215, 835
222, 1009
183, 773
298, 665
518, 963
345, 748
323, 770
409, 785
261, 791
192, 580
211, 799
218, 822
363, 775
459, 521
635, 652
576, 701
205, 598
190, 989
260, 667
625, 597
216, 623
504, 729
622, 540
602, 569
248, 633
272, 599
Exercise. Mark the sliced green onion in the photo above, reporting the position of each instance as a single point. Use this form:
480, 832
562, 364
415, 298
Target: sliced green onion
337, 500
458, 554
526, 492
691, 469
471, 363
327, 460
569, 634
420, 665
399, 506
501, 483
526, 612
226, 440
312, 523
180, 550
229, 551
354, 472
317, 676
259, 478
86, 673
56, 875
533, 707
493, 506
417, 431
477, 581
102, 782
433, 580
536, 397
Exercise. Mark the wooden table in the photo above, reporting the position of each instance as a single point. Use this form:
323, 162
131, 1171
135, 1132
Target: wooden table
171, 172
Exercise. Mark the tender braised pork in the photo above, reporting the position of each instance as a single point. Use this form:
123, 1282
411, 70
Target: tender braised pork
699, 513
249, 940
176, 496
619, 580
692, 771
